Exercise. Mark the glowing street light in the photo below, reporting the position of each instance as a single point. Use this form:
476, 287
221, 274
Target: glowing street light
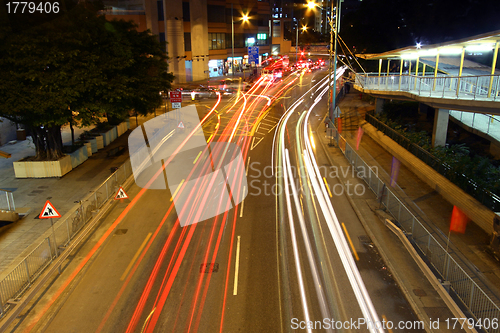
304, 28
244, 18
333, 45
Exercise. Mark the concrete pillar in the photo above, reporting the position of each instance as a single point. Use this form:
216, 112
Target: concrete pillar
151, 9
199, 39
174, 36
441, 117
379, 105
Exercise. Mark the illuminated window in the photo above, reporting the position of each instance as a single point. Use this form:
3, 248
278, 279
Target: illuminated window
216, 41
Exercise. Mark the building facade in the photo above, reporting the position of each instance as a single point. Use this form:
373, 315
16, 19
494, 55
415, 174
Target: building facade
200, 33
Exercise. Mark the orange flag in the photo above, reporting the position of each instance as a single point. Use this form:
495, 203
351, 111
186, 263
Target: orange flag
458, 220
339, 125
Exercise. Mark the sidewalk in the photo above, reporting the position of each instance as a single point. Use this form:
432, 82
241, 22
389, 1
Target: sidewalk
19, 238
430, 207
424, 201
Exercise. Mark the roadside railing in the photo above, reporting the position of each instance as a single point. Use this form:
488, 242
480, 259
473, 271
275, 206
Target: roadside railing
485, 123
487, 198
25, 273
480, 87
462, 285
7, 200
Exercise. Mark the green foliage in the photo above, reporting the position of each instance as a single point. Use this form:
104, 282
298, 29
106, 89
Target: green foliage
78, 68
399, 109
457, 157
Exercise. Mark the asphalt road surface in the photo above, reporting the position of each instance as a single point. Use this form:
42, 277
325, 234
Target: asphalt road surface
283, 249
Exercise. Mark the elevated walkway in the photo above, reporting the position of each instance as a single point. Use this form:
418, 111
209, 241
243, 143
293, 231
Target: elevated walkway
439, 75
464, 93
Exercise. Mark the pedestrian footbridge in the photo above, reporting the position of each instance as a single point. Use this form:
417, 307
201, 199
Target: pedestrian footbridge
444, 76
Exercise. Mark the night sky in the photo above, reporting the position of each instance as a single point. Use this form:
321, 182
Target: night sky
383, 25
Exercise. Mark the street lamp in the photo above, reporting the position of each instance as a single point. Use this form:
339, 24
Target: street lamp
244, 19
333, 45
304, 28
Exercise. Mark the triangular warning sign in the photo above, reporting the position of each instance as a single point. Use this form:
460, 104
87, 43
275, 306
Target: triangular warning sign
49, 212
181, 125
121, 194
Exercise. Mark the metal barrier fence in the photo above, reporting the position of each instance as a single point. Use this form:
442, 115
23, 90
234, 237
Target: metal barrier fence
7, 200
480, 87
26, 272
485, 123
487, 198
479, 304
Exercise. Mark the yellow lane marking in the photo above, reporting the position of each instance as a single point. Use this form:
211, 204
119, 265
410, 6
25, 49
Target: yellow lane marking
237, 267
197, 157
177, 190
252, 132
210, 137
385, 319
327, 187
242, 202
350, 242
124, 275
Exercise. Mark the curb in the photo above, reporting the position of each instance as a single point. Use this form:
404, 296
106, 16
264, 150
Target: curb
407, 294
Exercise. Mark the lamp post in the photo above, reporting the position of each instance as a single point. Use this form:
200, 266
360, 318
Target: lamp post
244, 19
297, 44
304, 28
333, 45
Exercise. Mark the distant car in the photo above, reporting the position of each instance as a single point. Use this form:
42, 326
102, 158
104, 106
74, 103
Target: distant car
198, 93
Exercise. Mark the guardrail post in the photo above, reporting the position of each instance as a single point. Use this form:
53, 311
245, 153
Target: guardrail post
471, 295
496, 89
107, 191
50, 248
1, 304
447, 267
67, 228
473, 117
475, 90
27, 271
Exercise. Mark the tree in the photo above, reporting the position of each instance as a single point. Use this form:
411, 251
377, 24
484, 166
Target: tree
78, 68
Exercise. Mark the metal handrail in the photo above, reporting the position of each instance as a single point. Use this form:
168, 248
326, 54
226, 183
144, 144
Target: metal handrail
493, 124
486, 197
442, 262
475, 87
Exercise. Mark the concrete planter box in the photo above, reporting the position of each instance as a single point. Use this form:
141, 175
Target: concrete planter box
99, 142
79, 156
121, 128
88, 145
109, 136
92, 143
43, 169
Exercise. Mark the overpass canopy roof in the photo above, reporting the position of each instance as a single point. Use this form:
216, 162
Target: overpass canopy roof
479, 43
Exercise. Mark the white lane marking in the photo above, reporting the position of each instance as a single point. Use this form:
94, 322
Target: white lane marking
253, 146
272, 128
248, 164
237, 267
242, 202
